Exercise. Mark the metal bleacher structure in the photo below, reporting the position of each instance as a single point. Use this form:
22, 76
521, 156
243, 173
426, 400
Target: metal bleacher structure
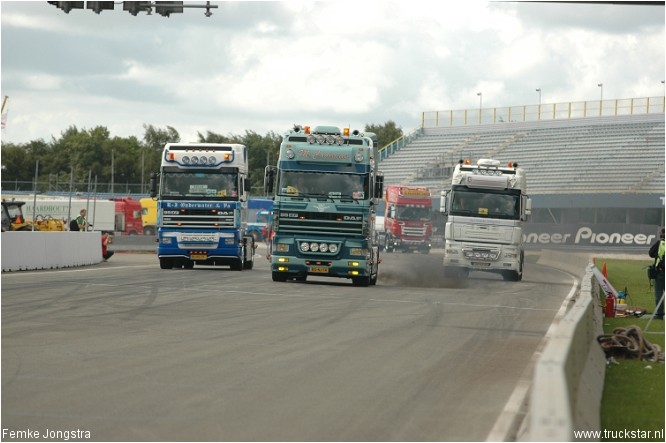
620, 153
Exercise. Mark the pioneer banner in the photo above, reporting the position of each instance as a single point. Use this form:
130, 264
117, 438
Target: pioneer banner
595, 234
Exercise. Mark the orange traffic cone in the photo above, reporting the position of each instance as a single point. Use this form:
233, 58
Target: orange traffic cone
603, 270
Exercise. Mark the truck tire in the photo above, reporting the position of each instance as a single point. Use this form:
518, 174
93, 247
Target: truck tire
166, 263
256, 236
363, 281
249, 264
512, 276
387, 244
238, 265
277, 276
515, 275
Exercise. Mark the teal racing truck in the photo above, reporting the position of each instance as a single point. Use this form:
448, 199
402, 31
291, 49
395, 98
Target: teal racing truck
325, 186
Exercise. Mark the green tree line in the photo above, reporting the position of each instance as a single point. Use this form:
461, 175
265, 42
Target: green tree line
82, 156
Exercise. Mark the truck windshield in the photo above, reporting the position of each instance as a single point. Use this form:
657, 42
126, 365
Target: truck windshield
206, 185
413, 213
323, 184
483, 204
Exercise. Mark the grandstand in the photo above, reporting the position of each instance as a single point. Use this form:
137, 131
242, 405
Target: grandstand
613, 165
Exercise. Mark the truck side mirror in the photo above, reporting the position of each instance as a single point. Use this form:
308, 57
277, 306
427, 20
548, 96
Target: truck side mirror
247, 184
528, 207
443, 197
269, 179
379, 185
153, 184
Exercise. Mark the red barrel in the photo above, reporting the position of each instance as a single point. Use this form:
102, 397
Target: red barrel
610, 306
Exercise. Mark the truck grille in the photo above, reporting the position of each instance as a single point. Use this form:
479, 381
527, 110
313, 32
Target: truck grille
305, 222
413, 231
198, 218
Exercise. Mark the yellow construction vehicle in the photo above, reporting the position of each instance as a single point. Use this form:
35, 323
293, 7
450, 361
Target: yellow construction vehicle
14, 220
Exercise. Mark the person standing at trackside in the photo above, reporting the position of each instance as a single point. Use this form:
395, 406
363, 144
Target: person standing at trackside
657, 252
81, 220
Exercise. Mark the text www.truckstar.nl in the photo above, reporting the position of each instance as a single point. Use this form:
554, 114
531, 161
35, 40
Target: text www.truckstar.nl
620, 435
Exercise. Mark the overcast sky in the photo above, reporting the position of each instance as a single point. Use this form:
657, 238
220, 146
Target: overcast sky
263, 66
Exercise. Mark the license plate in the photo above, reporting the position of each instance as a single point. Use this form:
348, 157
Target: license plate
199, 256
319, 269
481, 264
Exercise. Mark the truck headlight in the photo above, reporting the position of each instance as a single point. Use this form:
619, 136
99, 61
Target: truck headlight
305, 246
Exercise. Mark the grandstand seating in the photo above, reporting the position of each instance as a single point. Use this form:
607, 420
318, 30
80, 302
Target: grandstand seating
620, 154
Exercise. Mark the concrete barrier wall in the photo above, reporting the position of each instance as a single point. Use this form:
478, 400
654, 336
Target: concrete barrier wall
568, 378
571, 262
23, 251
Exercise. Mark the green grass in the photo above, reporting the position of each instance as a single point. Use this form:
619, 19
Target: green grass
633, 396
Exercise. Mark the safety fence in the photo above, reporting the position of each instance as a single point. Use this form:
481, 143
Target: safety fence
541, 112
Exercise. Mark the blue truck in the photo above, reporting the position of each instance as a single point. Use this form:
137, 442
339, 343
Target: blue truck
202, 206
325, 186
261, 211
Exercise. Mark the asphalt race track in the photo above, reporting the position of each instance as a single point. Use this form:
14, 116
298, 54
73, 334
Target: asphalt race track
126, 351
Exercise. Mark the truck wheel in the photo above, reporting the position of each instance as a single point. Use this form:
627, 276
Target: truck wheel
387, 247
188, 264
514, 275
166, 263
148, 231
238, 264
361, 281
248, 264
277, 276
255, 235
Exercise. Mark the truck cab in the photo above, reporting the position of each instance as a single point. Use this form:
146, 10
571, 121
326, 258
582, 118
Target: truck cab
407, 219
325, 188
486, 207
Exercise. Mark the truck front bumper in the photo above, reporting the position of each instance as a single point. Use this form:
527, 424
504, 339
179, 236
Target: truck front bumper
482, 257
295, 267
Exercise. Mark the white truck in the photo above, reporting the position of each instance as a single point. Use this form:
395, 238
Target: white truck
486, 208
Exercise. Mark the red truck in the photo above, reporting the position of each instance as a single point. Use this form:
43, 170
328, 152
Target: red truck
407, 219
128, 216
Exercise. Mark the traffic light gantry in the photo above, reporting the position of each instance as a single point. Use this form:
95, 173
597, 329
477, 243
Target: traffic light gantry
163, 8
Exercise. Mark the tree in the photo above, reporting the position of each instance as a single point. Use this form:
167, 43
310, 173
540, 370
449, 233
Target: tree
261, 150
386, 133
88, 152
154, 140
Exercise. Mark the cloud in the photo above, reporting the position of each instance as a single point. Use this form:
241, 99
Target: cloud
264, 66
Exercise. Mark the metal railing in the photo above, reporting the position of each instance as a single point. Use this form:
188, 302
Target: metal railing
527, 113
543, 112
